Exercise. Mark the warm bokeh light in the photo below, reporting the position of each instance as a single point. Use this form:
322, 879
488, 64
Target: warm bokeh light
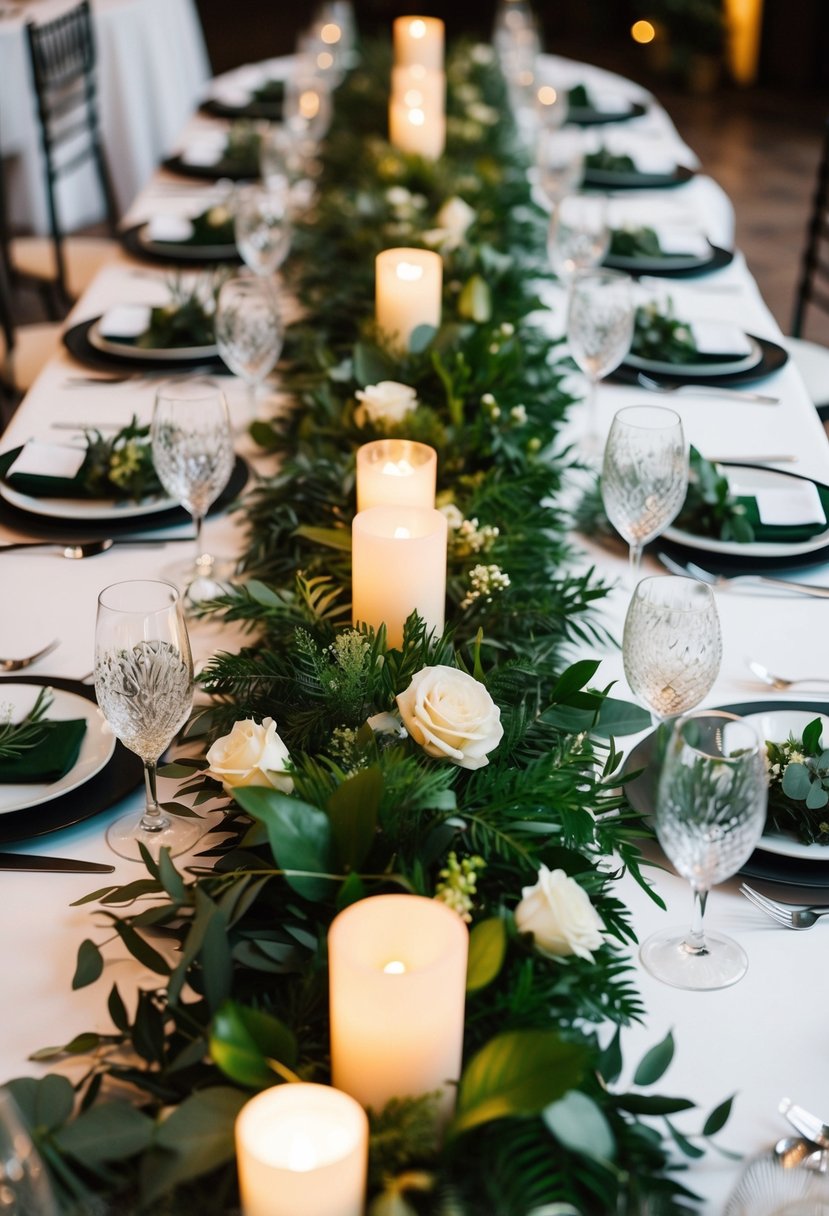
331, 33
547, 96
642, 31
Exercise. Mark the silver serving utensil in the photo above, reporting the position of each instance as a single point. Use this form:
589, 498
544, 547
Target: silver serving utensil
794, 1151
807, 1124
704, 390
781, 683
741, 580
57, 865
19, 664
792, 916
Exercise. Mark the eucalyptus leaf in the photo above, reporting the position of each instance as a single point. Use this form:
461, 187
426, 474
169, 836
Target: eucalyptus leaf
198, 1136
371, 365
579, 1124
797, 781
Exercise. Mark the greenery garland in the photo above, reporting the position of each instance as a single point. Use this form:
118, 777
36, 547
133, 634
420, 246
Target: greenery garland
346, 803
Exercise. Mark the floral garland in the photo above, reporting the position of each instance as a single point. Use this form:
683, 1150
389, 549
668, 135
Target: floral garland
499, 803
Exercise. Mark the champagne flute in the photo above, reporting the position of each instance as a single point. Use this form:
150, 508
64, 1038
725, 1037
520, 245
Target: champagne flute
25, 1189
710, 814
144, 687
672, 644
262, 227
249, 332
192, 447
644, 474
578, 236
599, 330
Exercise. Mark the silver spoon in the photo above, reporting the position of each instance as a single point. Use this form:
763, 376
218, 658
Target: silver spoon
781, 683
19, 664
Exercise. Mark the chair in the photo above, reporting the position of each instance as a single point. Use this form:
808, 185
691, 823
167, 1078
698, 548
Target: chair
62, 55
24, 350
812, 358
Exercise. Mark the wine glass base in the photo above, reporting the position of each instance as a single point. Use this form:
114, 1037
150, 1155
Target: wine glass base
667, 956
178, 836
200, 580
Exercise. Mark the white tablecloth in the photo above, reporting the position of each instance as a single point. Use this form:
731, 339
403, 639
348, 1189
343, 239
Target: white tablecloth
152, 67
762, 1039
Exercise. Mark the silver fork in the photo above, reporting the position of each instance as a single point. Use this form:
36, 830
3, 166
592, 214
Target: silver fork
704, 390
741, 580
19, 664
792, 916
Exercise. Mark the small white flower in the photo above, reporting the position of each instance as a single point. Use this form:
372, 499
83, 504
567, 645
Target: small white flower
398, 196
452, 716
518, 414
251, 755
486, 115
454, 518
560, 916
482, 54
387, 724
385, 403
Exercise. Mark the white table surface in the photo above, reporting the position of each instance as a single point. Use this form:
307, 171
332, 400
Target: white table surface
762, 1039
152, 68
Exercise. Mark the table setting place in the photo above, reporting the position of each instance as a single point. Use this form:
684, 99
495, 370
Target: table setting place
414, 730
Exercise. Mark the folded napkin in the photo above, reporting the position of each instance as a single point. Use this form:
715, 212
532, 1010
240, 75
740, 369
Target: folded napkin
719, 340
125, 322
45, 470
787, 515
174, 228
48, 760
205, 150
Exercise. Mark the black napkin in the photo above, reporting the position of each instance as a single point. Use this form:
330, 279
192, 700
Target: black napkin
51, 758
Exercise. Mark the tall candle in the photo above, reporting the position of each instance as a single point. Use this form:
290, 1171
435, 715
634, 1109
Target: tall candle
419, 130
408, 291
397, 971
302, 1150
398, 563
396, 472
419, 40
418, 86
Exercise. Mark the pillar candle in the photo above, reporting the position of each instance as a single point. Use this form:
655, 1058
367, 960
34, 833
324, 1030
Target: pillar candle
392, 472
418, 130
419, 40
418, 86
302, 1150
408, 291
398, 560
397, 970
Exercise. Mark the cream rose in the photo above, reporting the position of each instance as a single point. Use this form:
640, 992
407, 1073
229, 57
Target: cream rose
560, 916
451, 715
385, 403
250, 755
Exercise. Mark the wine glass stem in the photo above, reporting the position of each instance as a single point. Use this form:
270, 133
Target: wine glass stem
592, 430
202, 559
695, 942
251, 387
635, 556
152, 820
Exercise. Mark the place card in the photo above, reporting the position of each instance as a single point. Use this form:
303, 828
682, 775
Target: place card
676, 241
125, 321
169, 228
719, 338
204, 150
43, 459
794, 503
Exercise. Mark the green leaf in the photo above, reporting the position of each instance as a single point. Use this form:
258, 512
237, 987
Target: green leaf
574, 679
421, 337
683, 1143
198, 1137
646, 1104
352, 890
579, 1124
371, 365
352, 811
519, 1072
141, 949
487, 949
811, 736
796, 781
81, 1045
171, 880
242, 1040
610, 1060
332, 538
655, 1062
299, 835
89, 966
475, 300
817, 797
117, 1009
618, 718
718, 1118
44, 1103
110, 1131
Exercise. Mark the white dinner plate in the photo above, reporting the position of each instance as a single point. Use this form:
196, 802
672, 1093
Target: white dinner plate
775, 726
96, 749
699, 369
85, 509
747, 481
111, 346
182, 250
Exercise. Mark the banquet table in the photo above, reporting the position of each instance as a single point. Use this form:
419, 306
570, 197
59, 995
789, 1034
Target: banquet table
762, 1039
152, 66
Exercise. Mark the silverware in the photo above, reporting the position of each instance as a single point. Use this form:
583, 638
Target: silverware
76, 550
704, 390
19, 664
750, 460
807, 1124
781, 683
794, 1151
793, 916
741, 580
58, 865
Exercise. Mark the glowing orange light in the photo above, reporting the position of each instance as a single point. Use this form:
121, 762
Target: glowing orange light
547, 95
642, 32
331, 33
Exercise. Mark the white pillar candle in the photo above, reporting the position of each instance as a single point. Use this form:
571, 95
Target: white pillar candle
418, 86
396, 472
418, 130
419, 40
398, 565
302, 1150
397, 971
408, 291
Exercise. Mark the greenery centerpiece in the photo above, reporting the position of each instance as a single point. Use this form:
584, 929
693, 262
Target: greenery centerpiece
338, 778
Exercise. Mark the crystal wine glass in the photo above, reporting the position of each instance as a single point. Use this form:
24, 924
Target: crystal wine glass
578, 236
644, 474
144, 687
672, 645
599, 330
249, 331
559, 162
710, 813
25, 1189
192, 446
262, 227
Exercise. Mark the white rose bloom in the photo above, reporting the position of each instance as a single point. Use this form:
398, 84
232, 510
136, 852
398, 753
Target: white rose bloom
451, 715
560, 916
455, 216
386, 402
250, 755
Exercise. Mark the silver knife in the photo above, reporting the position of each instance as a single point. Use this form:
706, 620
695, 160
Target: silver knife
61, 865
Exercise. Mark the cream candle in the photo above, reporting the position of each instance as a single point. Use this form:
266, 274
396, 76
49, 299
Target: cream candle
419, 130
396, 472
397, 971
302, 1150
398, 564
419, 40
416, 86
408, 291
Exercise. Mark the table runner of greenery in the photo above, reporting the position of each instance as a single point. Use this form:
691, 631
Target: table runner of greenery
242, 1003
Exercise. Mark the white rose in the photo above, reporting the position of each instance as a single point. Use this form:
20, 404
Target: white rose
386, 402
451, 715
560, 916
453, 219
250, 755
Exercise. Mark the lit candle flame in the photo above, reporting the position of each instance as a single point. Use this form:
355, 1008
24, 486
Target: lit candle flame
395, 967
416, 117
408, 272
398, 468
402, 534
417, 29
302, 1154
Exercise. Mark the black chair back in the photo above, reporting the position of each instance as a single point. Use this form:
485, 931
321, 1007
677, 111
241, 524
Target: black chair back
63, 69
813, 285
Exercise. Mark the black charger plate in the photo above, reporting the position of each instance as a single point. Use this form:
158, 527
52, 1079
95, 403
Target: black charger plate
718, 259
155, 251
76, 341
603, 179
237, 171
773, 357
587, 116
271, 111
